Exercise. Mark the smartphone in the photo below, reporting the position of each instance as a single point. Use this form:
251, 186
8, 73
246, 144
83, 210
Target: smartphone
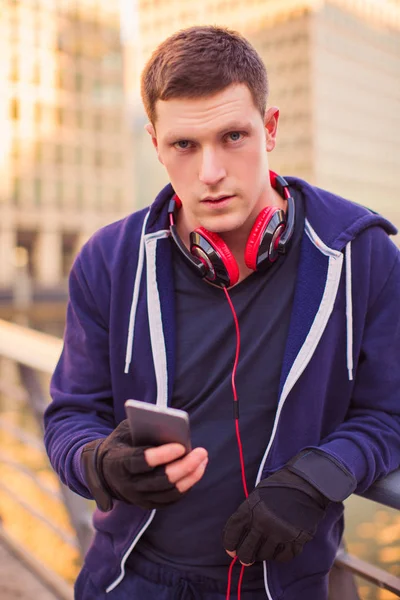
152, 425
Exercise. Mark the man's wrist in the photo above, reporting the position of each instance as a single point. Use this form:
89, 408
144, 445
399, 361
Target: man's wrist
324, 472
93, 478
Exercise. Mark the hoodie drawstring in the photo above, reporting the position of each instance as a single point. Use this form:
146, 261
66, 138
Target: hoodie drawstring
349, 312
135, 298
184, 591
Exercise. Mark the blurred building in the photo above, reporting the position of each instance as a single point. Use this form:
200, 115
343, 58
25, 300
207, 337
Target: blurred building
334, 70
65, 156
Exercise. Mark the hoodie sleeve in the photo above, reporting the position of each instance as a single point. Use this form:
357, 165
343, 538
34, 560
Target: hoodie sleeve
367, 443
82, 408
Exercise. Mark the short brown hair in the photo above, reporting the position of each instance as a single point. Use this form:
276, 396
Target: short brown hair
200, 61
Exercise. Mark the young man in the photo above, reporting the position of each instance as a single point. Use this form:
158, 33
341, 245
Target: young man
314, 283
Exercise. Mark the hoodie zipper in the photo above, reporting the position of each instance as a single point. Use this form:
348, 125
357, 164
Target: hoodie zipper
120, 577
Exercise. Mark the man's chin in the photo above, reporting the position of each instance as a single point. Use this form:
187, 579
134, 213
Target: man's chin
219, 229
222, 224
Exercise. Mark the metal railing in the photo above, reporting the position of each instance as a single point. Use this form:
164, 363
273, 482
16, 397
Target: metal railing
50, 581
36, 352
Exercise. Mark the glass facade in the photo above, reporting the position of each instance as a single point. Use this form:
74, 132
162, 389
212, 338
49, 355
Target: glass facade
61, 113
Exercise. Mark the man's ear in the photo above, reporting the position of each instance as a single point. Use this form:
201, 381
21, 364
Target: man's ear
152, 132
271, 125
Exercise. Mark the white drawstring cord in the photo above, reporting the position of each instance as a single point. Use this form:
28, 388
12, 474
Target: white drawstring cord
349, 312
135, 297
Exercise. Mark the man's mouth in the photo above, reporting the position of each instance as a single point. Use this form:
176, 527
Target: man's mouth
217, 199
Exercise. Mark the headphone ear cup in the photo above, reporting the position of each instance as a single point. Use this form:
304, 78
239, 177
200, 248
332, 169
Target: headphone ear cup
224, 268
259, 234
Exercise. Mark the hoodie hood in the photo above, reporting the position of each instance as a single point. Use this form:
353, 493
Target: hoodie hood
158, 216
337, 220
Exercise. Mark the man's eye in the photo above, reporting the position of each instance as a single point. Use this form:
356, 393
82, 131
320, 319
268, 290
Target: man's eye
182, 144
234, 136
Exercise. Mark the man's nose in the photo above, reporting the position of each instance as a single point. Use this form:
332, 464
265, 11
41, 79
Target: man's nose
212, 170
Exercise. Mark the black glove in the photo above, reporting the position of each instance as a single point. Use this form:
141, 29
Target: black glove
113, 468
283, 512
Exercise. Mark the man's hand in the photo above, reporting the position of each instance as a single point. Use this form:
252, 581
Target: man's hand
284, 510
280, 515
147, 477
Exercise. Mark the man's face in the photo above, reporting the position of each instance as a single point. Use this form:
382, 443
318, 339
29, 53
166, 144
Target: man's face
215, 152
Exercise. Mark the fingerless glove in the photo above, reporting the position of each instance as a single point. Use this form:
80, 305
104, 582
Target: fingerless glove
114, 469
284, 510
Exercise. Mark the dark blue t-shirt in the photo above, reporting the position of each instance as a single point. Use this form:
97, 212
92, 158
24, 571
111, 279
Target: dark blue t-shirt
188, 534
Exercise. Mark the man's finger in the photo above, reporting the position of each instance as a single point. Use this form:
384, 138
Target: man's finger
235, 529
186, 466
247, 550
183, 485
162, 455
268, 549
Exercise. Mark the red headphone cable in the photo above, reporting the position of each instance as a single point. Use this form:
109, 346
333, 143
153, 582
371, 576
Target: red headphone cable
239, 441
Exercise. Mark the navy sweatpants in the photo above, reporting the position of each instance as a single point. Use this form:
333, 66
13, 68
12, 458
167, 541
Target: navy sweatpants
148, 581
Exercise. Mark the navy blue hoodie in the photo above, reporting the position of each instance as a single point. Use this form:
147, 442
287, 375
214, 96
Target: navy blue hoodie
340, 378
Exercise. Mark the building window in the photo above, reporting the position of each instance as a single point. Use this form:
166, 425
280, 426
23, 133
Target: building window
79, 118
14, 27
79, 196
38, 112
58, 154
14, 109
36, 30
60, 193
60, 115
98, 91
78, 46
99, 197
59, 43
98, 122
37, 191
14, 151
117, 200
14, 70
60, 80
16, 192
78, 82
36, 74
38, 152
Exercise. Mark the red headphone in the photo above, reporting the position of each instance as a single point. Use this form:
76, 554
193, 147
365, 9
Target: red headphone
270, 236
